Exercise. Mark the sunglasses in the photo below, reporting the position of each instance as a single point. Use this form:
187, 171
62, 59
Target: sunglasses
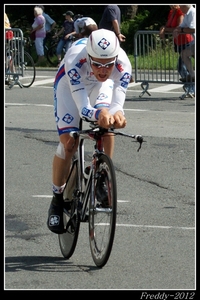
98, 65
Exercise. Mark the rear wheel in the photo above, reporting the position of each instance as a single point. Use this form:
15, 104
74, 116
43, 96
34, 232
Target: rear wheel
102, 216
71, 219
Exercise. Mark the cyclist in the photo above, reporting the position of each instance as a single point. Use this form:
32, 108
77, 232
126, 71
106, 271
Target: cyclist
90, 83
84, 26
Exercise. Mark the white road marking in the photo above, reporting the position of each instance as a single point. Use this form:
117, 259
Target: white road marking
130, 225
41, 82
163, 88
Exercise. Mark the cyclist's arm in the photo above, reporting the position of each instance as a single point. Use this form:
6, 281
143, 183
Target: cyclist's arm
122, 76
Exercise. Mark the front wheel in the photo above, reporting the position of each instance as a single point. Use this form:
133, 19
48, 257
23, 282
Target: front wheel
102, 212
71, 218
29, 71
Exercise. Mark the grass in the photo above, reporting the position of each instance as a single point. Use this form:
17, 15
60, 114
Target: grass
156, 60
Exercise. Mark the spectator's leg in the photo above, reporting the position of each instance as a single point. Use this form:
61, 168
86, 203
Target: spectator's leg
186, 57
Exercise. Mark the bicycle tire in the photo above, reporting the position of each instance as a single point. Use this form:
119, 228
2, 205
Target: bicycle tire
102, 221
68, 239
29, 70
52, 55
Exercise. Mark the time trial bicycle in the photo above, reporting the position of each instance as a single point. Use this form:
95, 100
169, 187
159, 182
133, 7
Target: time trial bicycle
81, 201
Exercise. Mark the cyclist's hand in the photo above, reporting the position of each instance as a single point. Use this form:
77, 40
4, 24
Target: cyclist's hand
106, 120
119, 120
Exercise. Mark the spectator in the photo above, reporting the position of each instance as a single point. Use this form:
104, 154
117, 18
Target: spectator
187, 26
175, 18
39, 27
84, 26
8, 60
67, 32
111, 20
50, 24
91, 87
6, 21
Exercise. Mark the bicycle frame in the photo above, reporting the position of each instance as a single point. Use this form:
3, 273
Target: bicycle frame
84, 189
96, 134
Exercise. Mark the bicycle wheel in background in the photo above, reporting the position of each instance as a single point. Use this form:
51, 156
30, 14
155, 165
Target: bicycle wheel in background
29, 70
102, 216
68, 239
52, 56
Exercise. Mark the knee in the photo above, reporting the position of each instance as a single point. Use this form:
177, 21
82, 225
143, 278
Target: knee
60, 151
70, 145
67, 146
63, 151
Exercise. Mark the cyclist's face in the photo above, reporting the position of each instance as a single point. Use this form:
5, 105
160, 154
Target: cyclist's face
102, 68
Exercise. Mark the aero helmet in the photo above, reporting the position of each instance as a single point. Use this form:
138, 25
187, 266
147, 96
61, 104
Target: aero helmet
102, 43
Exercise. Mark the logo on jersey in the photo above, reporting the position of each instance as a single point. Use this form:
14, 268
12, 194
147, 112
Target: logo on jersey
104, 43
119, 67
125, 80
74, 76
68, 118
81, 62
87, 112
102, 96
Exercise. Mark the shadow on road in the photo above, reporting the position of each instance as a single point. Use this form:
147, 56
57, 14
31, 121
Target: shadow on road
44, 264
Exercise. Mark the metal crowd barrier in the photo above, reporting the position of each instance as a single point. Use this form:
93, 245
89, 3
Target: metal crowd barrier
156, 62
14, 52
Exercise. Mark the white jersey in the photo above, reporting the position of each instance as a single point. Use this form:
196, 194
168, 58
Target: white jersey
190, 20
76, 83
80, 23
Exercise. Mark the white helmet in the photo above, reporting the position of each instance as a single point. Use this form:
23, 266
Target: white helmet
102, 43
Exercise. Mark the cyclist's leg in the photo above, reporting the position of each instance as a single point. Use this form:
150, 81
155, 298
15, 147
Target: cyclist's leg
62, 160
67, 118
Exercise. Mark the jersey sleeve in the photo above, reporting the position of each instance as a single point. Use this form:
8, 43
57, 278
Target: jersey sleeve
122, 77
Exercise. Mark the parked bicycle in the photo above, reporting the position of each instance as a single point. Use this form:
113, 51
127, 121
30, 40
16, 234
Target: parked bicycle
80, 196
52, 53
19, 65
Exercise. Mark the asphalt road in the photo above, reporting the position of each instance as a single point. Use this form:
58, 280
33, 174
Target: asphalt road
154, 246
